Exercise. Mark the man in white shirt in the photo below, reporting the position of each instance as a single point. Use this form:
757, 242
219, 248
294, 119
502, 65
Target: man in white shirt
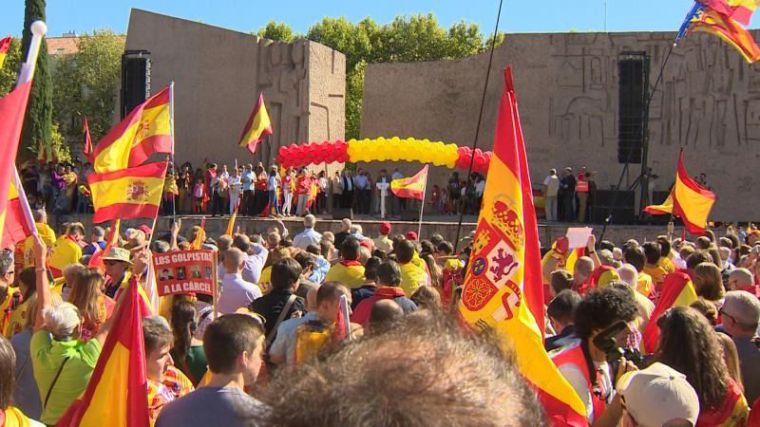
254, 257
551, 187
308, 236
247, 179
236, 292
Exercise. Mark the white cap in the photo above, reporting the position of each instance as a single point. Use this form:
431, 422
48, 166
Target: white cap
658, 394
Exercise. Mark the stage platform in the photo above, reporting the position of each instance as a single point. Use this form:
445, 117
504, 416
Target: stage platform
446, 226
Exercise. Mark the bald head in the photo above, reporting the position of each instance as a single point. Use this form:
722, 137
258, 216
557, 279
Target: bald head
583, 268
629, 275
740, 278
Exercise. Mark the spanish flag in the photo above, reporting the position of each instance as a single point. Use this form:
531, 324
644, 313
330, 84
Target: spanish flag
145, 131
200, 237
230, 231
118, 388
129, 193
572, 258
17, 226
5, 46
688, 200
712, 22
12, 110
259, 126
412, 187
503, 289
677, 291
87, 140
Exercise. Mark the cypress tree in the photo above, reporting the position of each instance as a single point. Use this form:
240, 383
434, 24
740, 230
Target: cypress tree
39, 113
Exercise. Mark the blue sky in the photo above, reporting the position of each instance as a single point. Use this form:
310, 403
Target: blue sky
248, 15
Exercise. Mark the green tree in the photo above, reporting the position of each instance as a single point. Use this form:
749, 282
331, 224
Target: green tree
279, 31
86, 83
9, 70
406, 39
39, 114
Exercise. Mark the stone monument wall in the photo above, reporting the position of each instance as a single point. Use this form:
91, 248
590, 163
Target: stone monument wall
567, 88
218, 74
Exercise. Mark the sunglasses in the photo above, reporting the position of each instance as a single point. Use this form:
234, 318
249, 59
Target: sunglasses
724, 314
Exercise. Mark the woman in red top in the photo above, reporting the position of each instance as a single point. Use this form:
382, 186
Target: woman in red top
94, 307
303, 189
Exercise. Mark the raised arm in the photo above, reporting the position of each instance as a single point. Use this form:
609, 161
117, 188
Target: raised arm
591, 251
44, 299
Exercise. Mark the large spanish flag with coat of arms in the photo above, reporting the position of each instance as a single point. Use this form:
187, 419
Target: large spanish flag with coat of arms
117, 394
503, 288
144, 132
129, 193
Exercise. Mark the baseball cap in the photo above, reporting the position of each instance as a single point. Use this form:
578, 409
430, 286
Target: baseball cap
385, 228
411, 235
658, 394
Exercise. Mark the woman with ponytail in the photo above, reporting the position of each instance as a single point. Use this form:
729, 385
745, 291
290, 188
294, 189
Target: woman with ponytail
188, 352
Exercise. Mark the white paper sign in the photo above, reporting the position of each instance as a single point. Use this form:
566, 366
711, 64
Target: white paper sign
577, 237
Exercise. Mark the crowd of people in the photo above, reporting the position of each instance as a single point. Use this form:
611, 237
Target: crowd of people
273, 346
255, 190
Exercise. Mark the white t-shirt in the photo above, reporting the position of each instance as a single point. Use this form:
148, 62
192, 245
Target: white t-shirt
577, 380
551, 183
480, 186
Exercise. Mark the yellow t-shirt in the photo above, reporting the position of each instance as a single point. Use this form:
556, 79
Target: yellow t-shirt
645, 285
412, 277
348, 273
657, 273
65, 252
5, 314
46, 234
265, 280
17, 320
666, 264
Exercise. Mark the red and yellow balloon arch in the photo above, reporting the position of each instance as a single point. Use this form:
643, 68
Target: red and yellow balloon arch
384, 149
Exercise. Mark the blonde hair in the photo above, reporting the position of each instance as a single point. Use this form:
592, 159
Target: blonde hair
85, 291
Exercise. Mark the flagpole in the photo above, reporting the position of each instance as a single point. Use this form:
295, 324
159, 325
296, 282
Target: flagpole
171, 153
38, 29
480, 116
26, 74
422, 208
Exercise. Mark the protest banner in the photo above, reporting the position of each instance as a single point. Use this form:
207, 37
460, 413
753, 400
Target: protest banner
186, 271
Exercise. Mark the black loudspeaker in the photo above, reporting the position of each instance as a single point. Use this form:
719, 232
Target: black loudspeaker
410, 215
618, 203
135, 79
342, 213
